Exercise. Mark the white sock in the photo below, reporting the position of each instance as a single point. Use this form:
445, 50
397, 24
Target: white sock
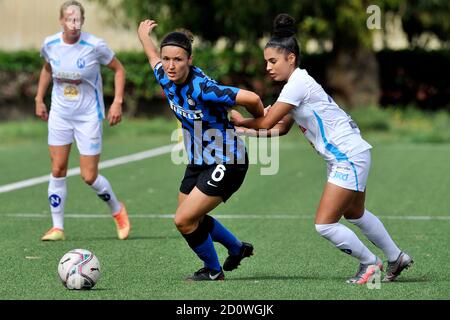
347, 241
104, 191
375, 231
57, 193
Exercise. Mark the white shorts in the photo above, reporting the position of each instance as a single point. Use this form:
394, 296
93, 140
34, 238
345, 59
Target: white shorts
352, 173
87, 134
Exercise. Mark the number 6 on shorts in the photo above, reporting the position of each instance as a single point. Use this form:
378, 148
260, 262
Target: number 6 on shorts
218, 173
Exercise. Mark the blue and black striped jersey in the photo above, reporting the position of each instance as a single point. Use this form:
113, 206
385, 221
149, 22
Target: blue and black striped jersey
200, 104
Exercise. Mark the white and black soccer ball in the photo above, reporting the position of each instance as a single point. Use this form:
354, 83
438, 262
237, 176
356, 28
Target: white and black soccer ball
79, 269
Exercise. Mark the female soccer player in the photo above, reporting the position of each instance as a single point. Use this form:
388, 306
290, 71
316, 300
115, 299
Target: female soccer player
217, 156
72, 61
336, 137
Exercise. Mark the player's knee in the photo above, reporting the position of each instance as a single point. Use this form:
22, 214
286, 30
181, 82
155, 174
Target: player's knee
59, 172
354, 212
180, 223
183, 224
89, 178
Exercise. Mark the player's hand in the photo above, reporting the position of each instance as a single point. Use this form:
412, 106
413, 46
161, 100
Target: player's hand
115, 113
236, 118
41, 110
145, 28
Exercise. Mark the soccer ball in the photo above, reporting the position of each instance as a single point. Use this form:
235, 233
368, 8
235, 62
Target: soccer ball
79, 269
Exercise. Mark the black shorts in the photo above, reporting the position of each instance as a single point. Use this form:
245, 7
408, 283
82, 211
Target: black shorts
214, 180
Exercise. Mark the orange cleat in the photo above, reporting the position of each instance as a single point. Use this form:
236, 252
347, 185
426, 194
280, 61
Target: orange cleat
122, 223
366, 271
54, 234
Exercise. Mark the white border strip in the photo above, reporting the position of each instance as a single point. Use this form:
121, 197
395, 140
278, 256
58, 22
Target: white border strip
102, 165
219, 216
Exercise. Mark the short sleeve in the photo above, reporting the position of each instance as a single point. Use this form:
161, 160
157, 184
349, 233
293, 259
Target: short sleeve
159, 73
293, 93
213, 92
104, 53
44, 53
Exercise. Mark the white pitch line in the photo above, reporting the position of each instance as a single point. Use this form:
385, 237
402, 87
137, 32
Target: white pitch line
219, 216
102, 165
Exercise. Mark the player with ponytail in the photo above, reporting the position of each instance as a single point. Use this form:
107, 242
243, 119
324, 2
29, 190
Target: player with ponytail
337, 139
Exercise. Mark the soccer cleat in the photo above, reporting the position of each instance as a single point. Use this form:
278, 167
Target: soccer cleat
366, 271
54, 234
394, 268
233, 261
122, 223
205, 274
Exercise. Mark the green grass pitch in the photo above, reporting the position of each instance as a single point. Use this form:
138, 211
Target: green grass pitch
275, 213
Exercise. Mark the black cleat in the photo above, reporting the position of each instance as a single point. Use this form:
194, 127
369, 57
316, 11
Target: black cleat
233, 261
205, 274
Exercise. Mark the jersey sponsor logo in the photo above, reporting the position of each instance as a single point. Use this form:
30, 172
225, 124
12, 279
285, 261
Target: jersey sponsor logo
81, 63
188, 114
71, 92
68, 77
54, 200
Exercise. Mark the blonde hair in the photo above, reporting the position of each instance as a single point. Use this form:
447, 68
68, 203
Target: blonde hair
69, 3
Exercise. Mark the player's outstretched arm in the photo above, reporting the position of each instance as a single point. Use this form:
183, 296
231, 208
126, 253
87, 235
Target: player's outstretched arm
280, 129
150, 49
276, 113
251, 101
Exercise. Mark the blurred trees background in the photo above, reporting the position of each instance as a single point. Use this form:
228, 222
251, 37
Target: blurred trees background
353, 71
230, 36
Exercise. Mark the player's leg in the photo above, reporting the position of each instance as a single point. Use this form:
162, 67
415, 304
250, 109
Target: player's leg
237, 250
60, 138
189, 222
88, 135
225, 180
334, 201
57, 191
375, 231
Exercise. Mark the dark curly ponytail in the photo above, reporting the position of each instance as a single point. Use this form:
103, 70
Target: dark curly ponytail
283, 36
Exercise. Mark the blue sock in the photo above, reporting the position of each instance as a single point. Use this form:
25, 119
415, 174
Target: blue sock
208, 254
222, 235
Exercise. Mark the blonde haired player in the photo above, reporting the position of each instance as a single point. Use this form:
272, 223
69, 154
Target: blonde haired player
72, 61
337, 139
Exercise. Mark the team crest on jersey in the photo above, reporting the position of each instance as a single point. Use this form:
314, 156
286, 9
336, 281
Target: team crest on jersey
190, 101
81, 63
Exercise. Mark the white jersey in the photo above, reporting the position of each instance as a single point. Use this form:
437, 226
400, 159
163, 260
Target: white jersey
329, 129
77, 83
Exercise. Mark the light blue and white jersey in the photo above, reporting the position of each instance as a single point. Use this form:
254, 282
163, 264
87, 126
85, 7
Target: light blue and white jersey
329, 129
77, 83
